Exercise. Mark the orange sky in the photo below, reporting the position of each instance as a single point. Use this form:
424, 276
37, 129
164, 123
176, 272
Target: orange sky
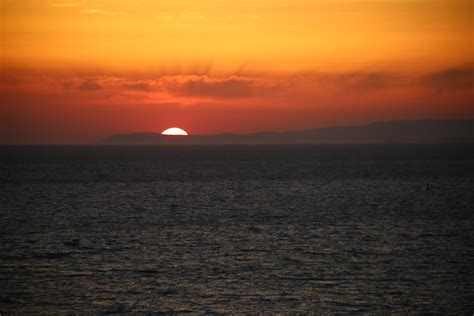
76, 71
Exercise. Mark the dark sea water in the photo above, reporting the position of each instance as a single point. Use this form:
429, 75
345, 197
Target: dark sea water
324, 229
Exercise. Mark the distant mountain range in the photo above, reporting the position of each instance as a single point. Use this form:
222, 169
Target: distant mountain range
413, 131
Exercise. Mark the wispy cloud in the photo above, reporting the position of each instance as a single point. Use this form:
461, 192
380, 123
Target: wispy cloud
90, 85
203, 86
68, 4
253, 16
264, 86
138, 86
95, 11
181, 16
454, 79
361, 81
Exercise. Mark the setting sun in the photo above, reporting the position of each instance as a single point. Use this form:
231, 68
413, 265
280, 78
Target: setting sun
174, 131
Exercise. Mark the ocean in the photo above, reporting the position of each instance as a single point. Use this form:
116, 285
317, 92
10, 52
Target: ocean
220, 229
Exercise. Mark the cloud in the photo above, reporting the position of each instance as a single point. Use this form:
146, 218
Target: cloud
459, 78
357, 81
310, 86
68, 4
253, 16
94, 11
181, 16
203, 86
9, 80
139, 86
364, 81
454, 79
190, 15
90, 85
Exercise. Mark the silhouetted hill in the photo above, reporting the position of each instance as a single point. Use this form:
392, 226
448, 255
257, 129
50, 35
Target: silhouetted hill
416, 131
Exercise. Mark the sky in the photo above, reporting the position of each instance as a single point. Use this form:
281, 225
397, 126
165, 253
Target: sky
77, 71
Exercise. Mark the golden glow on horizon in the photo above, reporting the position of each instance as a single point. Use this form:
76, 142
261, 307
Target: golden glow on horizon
174, 131
80, 70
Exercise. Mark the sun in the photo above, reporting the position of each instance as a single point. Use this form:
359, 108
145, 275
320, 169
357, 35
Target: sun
174, 131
